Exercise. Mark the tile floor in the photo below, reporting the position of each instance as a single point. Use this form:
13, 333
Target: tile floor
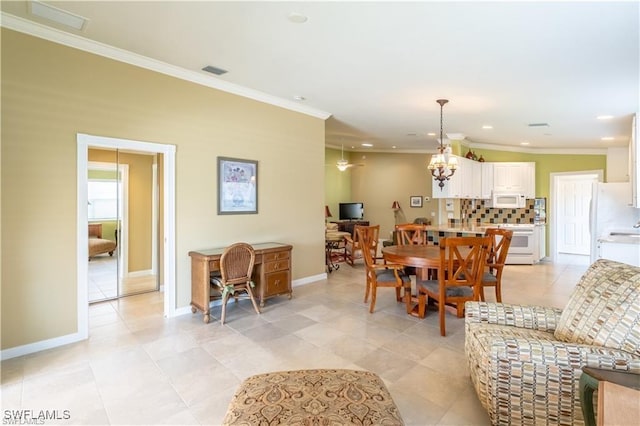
102, 276
140, 368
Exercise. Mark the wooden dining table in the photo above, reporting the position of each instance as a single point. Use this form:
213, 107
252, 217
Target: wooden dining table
420, 256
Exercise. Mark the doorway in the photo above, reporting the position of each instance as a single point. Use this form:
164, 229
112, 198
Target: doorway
165, 241
124, 221
571, 195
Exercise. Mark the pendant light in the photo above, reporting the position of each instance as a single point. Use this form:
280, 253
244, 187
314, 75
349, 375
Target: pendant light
442, 166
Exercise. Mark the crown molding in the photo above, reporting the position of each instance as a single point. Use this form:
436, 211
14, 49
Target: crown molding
25, 26
556, 151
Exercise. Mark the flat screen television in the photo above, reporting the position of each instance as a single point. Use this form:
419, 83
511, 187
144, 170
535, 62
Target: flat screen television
351, 211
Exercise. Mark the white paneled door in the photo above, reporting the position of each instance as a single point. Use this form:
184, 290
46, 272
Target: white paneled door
574, 195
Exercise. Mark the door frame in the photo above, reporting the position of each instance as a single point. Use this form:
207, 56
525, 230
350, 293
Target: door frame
84, 141
552, 211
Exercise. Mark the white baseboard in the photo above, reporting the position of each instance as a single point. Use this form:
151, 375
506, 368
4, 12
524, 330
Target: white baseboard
76, 337
144, 273
41, 346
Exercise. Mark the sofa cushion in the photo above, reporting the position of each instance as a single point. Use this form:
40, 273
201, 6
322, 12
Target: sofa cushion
604, 309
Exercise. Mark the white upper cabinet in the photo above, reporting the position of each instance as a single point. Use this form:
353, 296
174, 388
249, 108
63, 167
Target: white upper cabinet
514, 177
477, 180
487, 180
465, 182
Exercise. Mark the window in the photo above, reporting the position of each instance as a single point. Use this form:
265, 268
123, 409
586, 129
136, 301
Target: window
103, 198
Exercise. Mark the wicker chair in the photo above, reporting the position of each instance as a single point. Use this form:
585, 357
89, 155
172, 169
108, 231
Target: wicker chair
236, 267
526, 361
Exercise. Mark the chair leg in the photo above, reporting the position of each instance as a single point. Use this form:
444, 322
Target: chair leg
460, 309
373, 298
481, 293
398, 298
224, 308
498, 293
366, 291
253, 300
422, 304
441, 313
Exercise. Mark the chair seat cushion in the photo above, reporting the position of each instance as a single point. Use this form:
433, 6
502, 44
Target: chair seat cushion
488, 277
433, 287
604, 309
387, 275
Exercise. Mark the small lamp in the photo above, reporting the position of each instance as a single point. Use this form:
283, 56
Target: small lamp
395, 205
327, 213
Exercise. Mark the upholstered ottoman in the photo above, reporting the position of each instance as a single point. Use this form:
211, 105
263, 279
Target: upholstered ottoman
313, 397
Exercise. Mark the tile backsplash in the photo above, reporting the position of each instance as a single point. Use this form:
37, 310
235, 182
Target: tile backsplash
476, 211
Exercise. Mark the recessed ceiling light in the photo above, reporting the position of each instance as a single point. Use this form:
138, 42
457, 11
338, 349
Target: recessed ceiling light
299, 98
608, 138
59, 16
297, 18
431, 134
524, 143
394, 147
487, 126
604, 117
367, 144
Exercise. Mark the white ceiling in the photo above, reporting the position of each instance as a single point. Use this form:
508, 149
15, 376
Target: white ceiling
378, 67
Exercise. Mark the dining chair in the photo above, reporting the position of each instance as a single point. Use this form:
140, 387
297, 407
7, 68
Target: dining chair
411, 233
353, 246
236, 267
408, 234
381, 274
462, 261
496, 256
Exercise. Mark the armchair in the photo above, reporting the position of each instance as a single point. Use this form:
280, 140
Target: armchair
353, 246
526, 361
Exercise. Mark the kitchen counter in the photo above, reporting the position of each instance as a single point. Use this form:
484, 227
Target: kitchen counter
470, 229
620, 237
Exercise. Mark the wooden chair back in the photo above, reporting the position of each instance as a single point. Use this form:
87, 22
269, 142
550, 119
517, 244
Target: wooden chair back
236, 263
411, 233
500, 243
368, 240
463, 259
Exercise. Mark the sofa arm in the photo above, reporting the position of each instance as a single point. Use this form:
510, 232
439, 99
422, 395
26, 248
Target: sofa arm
561, 354
532, 317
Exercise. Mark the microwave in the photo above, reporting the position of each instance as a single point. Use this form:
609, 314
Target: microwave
508, 200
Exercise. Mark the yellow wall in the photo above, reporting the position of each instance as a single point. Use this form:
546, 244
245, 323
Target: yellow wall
51, 92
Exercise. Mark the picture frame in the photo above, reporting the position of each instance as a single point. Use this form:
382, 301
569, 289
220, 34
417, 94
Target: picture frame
415, 201
237, 186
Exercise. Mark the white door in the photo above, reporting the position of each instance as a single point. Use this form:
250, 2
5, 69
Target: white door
574, 194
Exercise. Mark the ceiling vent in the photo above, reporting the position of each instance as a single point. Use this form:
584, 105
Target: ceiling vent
538, 124
214, 70
56, 15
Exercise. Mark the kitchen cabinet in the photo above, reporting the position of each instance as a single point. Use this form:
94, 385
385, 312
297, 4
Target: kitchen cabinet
486, 184
540, 244
465, 183
515, 177
620, 252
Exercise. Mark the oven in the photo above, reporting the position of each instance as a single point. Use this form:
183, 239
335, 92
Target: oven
522, 249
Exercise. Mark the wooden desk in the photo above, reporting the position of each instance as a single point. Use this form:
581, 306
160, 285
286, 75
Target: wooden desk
271, 273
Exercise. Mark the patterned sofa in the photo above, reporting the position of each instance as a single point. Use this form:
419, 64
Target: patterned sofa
525, 361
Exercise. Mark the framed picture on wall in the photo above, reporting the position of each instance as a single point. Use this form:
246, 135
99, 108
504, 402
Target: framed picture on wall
415, 201
237, 186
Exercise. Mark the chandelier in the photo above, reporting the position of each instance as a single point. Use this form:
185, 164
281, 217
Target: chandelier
442, 166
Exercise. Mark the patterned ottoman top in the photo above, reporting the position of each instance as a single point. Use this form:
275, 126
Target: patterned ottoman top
313, 397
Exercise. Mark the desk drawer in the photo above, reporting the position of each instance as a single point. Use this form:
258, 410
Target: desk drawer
278, 265
279, 255
277, 283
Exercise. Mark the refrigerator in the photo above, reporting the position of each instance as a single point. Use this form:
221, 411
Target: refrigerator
610, 210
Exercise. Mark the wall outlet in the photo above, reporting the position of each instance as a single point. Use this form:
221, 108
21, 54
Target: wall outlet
433, 214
